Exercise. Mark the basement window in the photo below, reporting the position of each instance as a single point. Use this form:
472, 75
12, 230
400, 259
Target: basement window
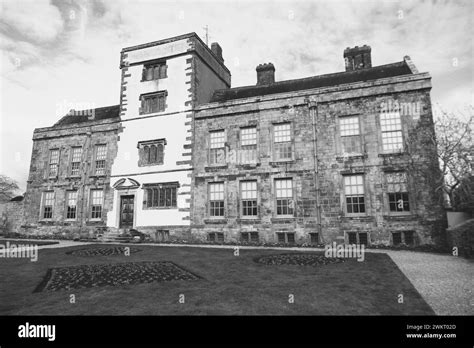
314, 237
403, 237
249, 237
286, 237
215, 237
361, 238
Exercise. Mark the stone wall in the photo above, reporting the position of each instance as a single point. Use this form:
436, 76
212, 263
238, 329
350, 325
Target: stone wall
85, 134
321, 182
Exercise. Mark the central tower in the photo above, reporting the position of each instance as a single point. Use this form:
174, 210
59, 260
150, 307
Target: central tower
161, 83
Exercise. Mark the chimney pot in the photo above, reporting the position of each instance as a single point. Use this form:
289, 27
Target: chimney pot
265, 74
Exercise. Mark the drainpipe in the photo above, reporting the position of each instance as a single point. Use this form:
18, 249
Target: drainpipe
313, 109
85, 170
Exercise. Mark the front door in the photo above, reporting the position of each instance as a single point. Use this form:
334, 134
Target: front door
126, 211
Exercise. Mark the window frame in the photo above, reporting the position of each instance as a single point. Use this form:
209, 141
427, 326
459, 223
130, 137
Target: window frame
389, 192
343, 138
161, 107
97, 160
292, 198
242, 199
290, 142
161, 65
144, 158
286, 239
248, 148
43, 205
67, 200
72, 162
382, 132
157, 190
91, 204
50, 163
213, 149
209, 201
363, 195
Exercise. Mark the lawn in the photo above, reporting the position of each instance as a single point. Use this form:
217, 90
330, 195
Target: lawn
221, 284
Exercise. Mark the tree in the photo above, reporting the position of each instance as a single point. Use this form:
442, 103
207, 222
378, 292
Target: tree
8, 188
455, 152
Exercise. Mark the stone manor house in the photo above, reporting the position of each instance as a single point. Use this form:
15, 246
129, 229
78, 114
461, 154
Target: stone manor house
338, 157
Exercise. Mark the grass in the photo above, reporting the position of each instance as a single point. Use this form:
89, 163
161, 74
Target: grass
230, 285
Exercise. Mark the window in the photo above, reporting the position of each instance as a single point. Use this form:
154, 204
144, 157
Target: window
397, 238
409, 237
162, 235
48, 203
71, 204
397, 192
155, 102
76, 159
100, 156
151, 152
248, 191
284, 196
286, 237
314, 238
350, 134
161, 195
216, 199
403, 237
216, 237
97, 198
362, 238
154, 71
282, 141
357, 238
217, 148
352, 237
53, 162
248, 144
354, 192
251, 237
391, 127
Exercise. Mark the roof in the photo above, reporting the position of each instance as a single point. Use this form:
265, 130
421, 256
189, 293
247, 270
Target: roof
79, 116
327, 80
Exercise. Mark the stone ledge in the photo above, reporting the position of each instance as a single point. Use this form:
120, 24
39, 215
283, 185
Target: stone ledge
215, 221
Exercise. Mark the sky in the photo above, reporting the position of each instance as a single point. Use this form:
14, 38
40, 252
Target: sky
58, 54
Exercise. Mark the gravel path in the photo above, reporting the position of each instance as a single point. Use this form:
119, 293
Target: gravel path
445, 282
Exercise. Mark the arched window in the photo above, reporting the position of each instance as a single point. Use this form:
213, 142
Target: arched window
153, 154
146, 154
160, 153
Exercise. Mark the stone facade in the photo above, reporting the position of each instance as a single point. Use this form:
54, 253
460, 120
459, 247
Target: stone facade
319, 164
64, 137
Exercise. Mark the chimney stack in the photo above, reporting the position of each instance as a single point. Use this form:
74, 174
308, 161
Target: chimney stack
217, 50
357, 58
265, 74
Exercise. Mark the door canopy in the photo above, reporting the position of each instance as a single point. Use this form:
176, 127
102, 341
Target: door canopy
126, 184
